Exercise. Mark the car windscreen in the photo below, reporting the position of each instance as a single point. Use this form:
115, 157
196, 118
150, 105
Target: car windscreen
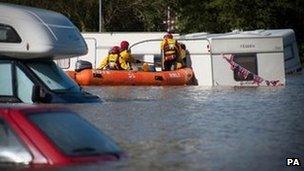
53, 76
73, 135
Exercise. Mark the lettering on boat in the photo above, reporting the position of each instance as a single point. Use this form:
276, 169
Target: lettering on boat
174, 75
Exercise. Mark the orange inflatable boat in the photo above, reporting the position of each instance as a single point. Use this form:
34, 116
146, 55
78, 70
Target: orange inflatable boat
88, 77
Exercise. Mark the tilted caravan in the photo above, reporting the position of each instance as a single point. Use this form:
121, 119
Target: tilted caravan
30, 39
268, 54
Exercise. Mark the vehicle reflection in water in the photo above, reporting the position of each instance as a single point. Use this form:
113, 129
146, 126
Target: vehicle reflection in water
200, 128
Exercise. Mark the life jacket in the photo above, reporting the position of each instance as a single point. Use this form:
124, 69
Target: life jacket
125, 55
113, 63
170, 49
125, 60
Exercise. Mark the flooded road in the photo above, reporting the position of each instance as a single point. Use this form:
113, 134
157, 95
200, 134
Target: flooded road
201, 128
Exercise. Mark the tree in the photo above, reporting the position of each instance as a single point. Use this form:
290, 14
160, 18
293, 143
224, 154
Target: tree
134, 15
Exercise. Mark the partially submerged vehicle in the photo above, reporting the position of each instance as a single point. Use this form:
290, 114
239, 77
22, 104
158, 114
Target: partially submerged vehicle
51, 137
30, 39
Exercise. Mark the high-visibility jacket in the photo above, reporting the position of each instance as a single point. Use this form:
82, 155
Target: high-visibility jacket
125, 60
170, 49
111, 61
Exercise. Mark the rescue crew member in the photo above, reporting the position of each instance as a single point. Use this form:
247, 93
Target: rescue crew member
125, 58
111, 61
170, 52
181, 61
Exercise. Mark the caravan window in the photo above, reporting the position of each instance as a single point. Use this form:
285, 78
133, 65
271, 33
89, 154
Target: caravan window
248, 61
8, 34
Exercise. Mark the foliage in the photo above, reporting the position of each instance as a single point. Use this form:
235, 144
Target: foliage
133, 15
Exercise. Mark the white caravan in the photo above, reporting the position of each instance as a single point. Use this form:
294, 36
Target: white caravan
267, 54
30, 39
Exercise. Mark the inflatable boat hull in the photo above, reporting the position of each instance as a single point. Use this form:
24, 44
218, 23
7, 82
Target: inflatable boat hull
89, 77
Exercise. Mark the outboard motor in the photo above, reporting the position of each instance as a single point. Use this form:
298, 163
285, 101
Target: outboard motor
81, 65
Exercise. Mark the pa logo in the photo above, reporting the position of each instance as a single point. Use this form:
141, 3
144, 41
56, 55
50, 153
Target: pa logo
293, 162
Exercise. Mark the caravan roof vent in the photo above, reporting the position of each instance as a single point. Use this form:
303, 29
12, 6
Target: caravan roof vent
27, 33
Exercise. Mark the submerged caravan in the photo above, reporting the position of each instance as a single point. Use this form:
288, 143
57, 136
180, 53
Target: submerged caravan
30, 39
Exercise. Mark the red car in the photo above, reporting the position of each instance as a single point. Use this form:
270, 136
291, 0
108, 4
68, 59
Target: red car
38, 137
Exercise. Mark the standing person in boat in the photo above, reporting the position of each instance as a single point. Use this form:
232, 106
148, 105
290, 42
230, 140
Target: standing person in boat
169, 52
111, 61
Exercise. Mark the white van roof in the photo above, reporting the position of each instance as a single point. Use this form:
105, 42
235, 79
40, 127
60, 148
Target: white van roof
27, 32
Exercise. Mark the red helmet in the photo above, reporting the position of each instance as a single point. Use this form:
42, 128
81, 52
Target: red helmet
168, 36
124, 45
115, 50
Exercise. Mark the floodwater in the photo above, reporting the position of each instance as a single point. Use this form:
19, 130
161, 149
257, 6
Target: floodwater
201, 128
